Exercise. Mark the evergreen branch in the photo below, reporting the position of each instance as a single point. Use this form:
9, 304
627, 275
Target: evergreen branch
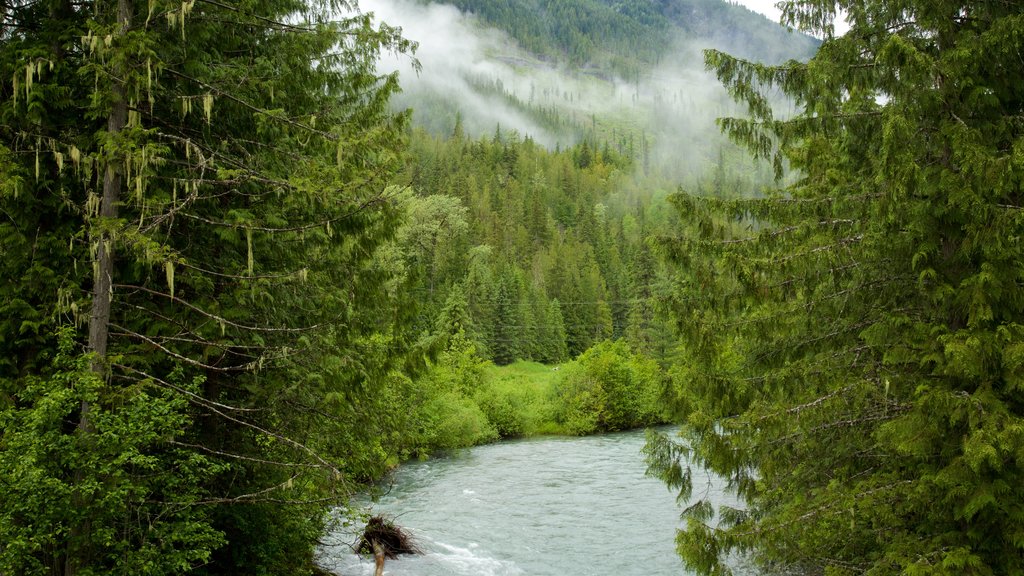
759, 529
189, 395
839, 243
805, 343
196, 339
274, 24
202, 270
305, 127
236, 368
814, 403
375, 200
896, 408
216, 317
229, 348
250, 175
783, 231
200, 142
809, 305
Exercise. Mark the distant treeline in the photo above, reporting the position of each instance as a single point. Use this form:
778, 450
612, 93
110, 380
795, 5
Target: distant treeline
630, 36
537, 255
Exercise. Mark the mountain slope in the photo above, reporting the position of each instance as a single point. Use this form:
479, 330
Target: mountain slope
626, 75
630, 37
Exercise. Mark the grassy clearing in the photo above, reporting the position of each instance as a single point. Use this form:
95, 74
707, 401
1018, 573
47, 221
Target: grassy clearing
467, 402
521, 399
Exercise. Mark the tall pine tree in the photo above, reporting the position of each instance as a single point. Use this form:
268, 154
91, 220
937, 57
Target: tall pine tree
193, 193
856, 340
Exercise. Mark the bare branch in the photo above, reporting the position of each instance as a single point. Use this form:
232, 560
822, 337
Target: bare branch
233, 456
248, 366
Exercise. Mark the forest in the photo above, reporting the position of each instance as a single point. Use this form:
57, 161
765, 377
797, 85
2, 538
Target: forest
244, 276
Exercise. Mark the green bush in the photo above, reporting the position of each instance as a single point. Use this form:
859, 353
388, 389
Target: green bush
518, 398
503, 407
609, 388
450, 420
442, 412
580, 401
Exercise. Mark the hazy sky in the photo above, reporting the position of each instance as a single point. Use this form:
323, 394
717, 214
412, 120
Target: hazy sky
767, 7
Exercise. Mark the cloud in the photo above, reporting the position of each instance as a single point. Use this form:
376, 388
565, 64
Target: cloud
667, 115
457, 53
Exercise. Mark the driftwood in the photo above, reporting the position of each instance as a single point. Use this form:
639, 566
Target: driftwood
378, 559
385, 539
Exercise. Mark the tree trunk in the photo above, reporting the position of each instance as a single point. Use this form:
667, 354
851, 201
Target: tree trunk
99, 322
378, 559
102, 292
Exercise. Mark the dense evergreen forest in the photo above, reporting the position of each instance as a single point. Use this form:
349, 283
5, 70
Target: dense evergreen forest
628, 37
242, 279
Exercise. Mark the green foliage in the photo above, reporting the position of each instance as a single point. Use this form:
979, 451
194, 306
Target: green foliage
554, 347
464, 403
126, 478
450, 420
442, 413
218, 173
609, 388
852, 341
518, 399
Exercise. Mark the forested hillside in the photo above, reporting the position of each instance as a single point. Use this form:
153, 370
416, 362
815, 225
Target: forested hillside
544, 253
853, 342
252, 260
624, 75
628, 38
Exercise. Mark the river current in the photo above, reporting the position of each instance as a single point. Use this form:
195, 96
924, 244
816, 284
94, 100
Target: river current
545, 506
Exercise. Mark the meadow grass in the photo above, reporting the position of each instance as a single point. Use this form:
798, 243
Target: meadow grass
520, 399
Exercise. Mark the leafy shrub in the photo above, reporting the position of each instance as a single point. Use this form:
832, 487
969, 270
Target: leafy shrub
450, 420
580, 400
517, 398
443, 414
609, 388
503, 407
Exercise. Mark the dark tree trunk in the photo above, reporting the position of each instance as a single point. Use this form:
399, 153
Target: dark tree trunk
102, 292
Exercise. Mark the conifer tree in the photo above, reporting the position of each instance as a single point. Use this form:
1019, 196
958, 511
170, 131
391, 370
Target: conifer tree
192, 194
481, 295
556, 350
855, 340
506, 343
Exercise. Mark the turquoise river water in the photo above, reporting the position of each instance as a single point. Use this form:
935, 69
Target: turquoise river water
547, 506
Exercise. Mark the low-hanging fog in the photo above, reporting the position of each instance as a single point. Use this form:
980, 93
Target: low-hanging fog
666, 116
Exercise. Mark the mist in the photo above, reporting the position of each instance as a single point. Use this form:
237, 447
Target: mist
664, 118
456, 53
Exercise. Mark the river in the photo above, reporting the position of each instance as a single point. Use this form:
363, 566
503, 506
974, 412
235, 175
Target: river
543, 506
